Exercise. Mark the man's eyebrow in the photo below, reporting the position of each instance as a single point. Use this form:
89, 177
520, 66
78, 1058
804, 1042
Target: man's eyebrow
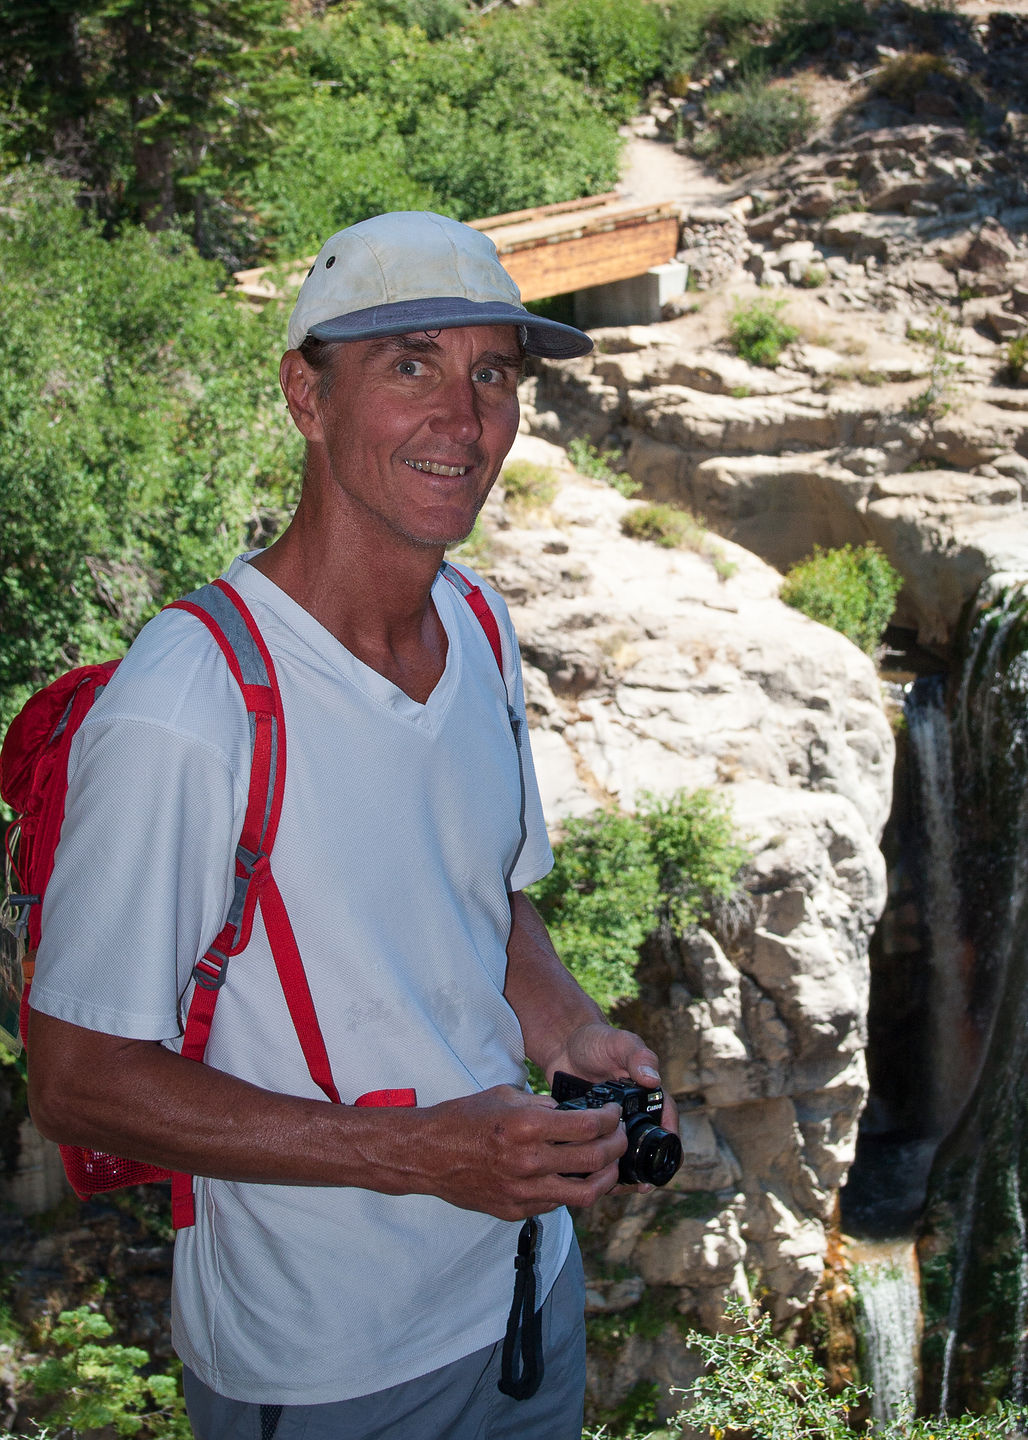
393, 344
416, 344
502, 359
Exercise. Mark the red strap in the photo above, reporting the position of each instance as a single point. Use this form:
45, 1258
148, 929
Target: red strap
267, 784
294, 983
183, 1208
387, 1097
487, 620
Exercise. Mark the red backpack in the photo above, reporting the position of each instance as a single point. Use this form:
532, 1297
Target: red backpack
34, 782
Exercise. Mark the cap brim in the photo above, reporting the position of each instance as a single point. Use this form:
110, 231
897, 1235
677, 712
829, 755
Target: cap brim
542, 337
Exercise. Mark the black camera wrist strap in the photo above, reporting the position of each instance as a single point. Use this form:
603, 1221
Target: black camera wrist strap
524, 1324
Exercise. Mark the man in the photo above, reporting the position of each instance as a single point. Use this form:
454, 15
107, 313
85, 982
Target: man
350, 1271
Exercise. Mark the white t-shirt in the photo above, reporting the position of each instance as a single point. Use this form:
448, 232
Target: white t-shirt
403, 828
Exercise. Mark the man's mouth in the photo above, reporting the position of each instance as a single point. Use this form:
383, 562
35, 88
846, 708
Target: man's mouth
430, 467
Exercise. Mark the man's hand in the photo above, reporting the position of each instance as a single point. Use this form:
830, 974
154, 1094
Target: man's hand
513, 1154
596, 1051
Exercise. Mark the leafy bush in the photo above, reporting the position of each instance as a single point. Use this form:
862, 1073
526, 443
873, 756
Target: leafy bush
758, 332
664, 525
852, 590
99, 1385
809, 27
600, 901
618, 878
613, 47
760, 1385
599, 465
699, 858
1017, 357
141, 430
475, 123
701, 30
528, 487
754, 119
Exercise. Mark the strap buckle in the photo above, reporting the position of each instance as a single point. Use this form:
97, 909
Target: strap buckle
213, 978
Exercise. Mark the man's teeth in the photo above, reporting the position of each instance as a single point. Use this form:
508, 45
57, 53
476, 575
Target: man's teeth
431, 468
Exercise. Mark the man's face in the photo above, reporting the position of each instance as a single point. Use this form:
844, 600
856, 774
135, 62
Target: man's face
416, 427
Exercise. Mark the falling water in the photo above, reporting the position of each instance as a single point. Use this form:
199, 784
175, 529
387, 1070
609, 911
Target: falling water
955, 1051
1018, 1375
977, 1213
885, 1276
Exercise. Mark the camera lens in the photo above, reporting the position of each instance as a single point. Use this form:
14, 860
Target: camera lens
653, 1154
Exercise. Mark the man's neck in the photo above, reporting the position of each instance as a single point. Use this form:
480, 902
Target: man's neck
375, 599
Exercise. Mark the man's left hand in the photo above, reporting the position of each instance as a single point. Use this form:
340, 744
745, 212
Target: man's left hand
596, 1051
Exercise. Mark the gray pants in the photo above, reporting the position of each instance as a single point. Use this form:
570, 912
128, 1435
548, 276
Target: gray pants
458, 1402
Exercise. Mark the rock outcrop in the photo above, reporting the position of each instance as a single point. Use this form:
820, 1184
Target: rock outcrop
646, 670
898, 250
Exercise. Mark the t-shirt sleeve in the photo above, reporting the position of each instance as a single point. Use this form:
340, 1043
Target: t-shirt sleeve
142, 879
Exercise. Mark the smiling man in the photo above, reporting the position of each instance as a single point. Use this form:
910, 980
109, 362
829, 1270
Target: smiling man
349, 1275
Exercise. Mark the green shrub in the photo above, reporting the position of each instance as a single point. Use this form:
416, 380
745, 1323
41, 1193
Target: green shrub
142, 437
852, 590
528, 487
474, 123
600, 901
809, 27
612, 47
98, 1385
618, 878
598, 465
754, 119
1017, 357
758, 332
664, 525
699, 32
758, 1384
698, 856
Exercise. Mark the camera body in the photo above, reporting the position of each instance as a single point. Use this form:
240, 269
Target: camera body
653, 1154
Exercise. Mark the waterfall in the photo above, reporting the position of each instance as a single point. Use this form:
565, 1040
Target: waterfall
953, 1044
975, 1229
885, 1277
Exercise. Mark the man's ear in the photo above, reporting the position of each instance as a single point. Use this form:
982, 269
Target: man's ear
300, 387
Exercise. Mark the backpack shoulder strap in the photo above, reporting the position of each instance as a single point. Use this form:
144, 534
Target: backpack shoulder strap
479, 604
225, 614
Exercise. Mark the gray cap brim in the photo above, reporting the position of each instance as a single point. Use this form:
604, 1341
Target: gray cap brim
547, 338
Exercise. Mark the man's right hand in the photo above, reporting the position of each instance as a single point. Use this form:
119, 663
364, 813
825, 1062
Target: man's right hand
504, 1151
513, 1154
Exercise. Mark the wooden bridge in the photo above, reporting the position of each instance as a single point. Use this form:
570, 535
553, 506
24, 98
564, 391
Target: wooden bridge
551, 250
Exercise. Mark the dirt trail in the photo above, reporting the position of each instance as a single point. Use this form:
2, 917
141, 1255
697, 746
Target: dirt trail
651, 170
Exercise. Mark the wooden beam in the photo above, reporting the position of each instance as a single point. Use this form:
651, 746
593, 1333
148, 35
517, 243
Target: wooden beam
593, 258
514, 217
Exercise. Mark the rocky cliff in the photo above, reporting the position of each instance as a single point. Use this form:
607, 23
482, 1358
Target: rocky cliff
654, 669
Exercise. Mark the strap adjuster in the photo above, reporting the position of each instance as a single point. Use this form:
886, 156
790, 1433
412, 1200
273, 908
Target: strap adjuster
213, 978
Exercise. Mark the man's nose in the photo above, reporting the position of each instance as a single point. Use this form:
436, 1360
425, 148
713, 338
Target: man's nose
457, 413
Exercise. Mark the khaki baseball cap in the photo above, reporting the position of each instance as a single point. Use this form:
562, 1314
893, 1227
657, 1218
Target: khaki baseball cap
412, 270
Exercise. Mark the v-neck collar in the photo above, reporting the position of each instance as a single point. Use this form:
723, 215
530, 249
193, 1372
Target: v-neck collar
254, 584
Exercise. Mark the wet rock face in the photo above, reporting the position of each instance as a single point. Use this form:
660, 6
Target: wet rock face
646, 670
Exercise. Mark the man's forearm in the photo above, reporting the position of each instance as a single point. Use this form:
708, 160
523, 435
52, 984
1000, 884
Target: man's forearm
501, 1151
543, 993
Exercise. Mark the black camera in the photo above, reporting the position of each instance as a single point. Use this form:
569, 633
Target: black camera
653, 1154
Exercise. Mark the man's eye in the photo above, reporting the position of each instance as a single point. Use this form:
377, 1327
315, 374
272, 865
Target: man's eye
409, 367
489, 375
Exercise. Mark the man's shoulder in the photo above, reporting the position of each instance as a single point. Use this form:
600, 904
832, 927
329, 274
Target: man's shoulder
174, 678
